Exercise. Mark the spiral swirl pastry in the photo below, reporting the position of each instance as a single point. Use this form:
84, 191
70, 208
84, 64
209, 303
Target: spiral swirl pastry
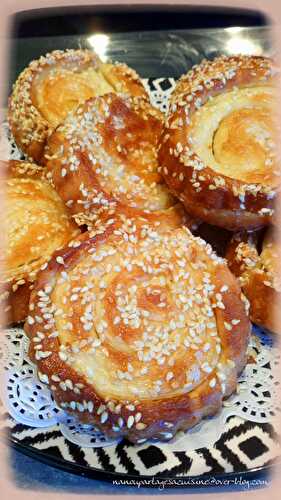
103, 162
255, 259
36, 225
218, 150
138, 331
52, 86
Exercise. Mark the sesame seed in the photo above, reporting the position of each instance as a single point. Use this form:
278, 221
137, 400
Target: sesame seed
90, 406
101, 409
227, 325
63, 356
120, 422
235, 321
104, 417
212, 382
140, 426
138, 417
169, 376
130, 421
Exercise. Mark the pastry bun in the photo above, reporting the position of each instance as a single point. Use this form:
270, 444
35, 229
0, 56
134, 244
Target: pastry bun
138, 332
102, 160
257, 264
52, 86
217, 152
36, 225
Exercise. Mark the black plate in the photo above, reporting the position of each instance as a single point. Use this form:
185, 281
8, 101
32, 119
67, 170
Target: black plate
259, 473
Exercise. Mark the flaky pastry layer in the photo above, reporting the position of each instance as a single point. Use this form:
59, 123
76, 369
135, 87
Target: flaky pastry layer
37, 224
218, 150
138, 331
259, 275
52, 86
103, 160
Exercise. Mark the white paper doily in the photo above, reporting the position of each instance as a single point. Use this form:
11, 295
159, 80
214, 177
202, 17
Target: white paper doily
30, 402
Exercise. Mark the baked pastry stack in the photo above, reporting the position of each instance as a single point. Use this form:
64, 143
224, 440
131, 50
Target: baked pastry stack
138, 332
218, 153
36, 225
136, 325
44, 95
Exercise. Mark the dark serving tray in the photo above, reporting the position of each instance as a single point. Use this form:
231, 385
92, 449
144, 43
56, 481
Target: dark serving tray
181, 39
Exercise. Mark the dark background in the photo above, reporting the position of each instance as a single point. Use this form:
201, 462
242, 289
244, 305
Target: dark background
153, 40
82, 20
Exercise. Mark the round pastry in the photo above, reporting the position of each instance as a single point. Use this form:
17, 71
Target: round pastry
52, 86
36, 225
217, 152
137, 331
103, 159
257, 264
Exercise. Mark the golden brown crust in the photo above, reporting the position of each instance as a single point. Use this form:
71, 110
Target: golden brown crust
217, 151
103, 161
259, 275
53, 85
37, 225
139, 331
